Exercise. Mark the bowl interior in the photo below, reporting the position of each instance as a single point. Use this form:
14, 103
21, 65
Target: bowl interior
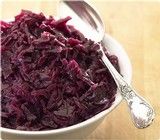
125, 67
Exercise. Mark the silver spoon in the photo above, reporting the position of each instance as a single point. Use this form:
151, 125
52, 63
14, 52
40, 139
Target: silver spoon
141, 111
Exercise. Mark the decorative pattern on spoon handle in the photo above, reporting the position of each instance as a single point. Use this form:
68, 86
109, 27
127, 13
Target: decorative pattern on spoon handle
141, 112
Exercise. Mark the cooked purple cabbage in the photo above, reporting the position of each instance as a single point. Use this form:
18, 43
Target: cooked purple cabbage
52, 76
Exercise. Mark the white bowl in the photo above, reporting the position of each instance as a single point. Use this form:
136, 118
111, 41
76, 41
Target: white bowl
85, 128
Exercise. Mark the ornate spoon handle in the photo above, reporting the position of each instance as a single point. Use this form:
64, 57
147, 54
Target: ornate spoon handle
142, 112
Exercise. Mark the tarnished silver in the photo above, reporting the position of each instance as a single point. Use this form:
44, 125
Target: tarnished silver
141, 111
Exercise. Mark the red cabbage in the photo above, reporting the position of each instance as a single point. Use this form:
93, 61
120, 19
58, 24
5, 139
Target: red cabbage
52, 76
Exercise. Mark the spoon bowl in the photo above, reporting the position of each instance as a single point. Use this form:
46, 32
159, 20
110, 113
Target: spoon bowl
85, 15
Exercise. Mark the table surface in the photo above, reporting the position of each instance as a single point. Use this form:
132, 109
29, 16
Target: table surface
136, 25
